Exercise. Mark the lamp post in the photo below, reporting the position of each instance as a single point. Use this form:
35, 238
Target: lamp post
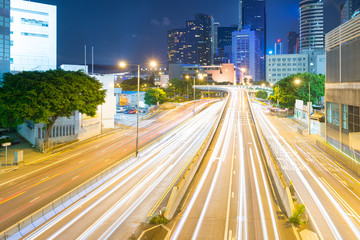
243, 71
123, 64
201, 77
297, 81
170, 84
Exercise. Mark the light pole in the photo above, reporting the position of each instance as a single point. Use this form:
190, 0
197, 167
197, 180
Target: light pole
170, 84
243, 71
297, 81
201, 77
123, 64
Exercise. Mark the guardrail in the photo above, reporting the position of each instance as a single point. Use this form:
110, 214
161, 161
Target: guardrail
180, 189
280, 185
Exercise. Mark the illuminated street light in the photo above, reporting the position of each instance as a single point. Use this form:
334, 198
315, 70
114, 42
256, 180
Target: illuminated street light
298, 81
123, 64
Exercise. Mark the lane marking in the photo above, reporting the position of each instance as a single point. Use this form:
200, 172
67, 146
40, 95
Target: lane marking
34, 199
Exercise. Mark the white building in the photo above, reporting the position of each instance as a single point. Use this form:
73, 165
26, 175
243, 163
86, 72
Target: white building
32, 36
78, 126
280, 66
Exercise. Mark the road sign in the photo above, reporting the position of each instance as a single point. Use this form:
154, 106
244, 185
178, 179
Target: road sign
6, 144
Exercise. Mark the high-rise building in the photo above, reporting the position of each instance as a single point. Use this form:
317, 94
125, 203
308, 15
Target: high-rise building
252, 15
311, 25
246, 52
291, 39
224, 39
176, 45
4, 36
342, 87
33, 36
278, 47
198, 39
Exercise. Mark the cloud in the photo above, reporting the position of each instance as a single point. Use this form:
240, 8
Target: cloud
166, 21
154, 22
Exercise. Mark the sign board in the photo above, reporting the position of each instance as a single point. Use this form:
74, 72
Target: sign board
299, 104
6, 144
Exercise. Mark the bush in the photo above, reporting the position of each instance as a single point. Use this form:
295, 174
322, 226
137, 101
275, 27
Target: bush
298, 217
158, 220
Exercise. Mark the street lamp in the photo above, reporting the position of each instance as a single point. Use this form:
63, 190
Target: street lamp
243, 70
170, 84
201, 77
298, 81
123, 64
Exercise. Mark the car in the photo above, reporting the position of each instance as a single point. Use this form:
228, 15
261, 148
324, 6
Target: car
120, 109
142, 110
132, 111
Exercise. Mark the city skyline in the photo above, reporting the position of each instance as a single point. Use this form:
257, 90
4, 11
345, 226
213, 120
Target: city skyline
118, 34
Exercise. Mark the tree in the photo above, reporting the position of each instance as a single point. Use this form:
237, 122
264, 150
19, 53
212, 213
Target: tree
131, 84
42, 97
261, 94
287, 91
153, 96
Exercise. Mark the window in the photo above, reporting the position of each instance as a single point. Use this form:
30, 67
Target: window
332, 113
353, 119
345, 117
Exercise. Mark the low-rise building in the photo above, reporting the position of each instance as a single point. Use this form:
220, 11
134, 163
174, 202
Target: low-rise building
283, 65
219, 73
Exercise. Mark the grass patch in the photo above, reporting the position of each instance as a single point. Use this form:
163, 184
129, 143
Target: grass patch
298, 217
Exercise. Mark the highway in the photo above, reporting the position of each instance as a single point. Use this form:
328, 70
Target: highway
117, 208
329, 192
232, 197
28, 189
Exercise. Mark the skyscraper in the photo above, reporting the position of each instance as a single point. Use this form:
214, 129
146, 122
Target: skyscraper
311, 25
291, 39
245, 52
4, 36
278, 47
194, 44
252, 15
224, 39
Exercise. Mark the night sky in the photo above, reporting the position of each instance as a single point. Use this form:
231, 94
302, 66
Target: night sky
136, 30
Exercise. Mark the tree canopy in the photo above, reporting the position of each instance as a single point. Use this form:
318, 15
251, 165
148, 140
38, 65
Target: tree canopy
261, 94
153, 96
42, 97
287, 91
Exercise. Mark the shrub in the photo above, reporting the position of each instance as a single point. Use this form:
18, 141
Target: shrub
158, 220
298, 217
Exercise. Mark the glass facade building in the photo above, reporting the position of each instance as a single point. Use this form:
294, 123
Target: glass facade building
4, 36
253, 16
342, 88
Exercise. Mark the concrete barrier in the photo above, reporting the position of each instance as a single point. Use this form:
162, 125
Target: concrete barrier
180, 189
276, 176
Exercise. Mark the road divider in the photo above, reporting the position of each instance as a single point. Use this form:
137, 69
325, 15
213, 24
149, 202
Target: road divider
276, 176
180, 189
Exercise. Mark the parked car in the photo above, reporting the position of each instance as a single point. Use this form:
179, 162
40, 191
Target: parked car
120, 109
142, 110
132, 111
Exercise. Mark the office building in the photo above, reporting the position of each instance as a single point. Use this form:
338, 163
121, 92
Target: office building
291, 42
4, 36
342, 87
194, 44
252, 15
176, 45
281, 66
246, 53
224, 42
311, 25
278, 47
33, 36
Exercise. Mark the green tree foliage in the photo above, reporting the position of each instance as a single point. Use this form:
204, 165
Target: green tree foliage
131, 84
261, 94
298, 217
42, 97
287, 91
152, 96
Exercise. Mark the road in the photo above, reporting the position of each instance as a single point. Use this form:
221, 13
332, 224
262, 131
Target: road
28, 189
232, 197
116, 209
329, 191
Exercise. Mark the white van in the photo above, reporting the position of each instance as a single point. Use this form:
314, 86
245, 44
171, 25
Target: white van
120, 109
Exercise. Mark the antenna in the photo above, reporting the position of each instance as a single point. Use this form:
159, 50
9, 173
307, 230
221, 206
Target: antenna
92, 60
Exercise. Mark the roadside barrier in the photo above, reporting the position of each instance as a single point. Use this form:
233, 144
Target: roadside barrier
278, 180
180, 189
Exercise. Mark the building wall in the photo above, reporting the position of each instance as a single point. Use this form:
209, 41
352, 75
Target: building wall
280, 66
342, 88
33, 36
4, 36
